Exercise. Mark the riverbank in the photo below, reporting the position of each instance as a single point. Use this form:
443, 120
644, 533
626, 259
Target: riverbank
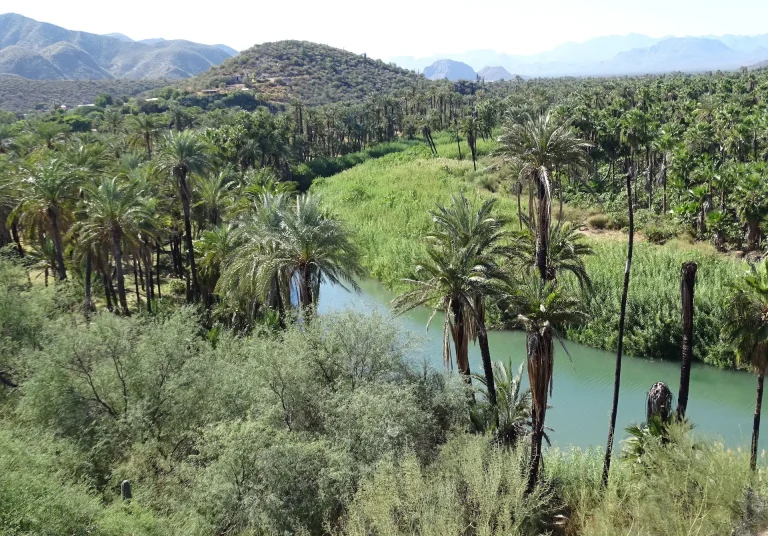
387, 201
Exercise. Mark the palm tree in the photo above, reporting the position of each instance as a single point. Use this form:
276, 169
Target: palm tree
748, 331
144, 132
540, 145
184, 153
299, 245
449, 280
47, 194
214, 192
461, 225
252, 271
113, 121
117, 215
539, 306
512, 413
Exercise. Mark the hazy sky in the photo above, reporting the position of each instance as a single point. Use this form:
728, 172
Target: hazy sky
401, 27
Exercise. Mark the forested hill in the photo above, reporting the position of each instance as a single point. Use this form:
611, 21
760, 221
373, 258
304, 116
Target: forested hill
317, 74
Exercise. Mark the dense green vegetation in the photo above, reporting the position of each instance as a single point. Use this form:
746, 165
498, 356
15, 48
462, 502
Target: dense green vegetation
232, 407
326, 428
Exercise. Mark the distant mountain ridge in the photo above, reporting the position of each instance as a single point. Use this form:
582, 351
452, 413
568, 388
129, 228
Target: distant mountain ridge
42, 51
617, 55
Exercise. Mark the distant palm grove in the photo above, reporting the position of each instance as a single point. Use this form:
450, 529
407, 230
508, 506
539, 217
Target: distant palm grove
165, 368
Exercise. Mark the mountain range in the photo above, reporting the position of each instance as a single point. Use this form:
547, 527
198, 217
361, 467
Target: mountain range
42, 51
616, 55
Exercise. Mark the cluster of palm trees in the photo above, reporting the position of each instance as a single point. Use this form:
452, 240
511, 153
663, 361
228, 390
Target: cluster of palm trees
242, 242
475, 260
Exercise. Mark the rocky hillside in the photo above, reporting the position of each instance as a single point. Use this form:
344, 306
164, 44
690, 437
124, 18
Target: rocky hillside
41, 51
314, 73
451, 70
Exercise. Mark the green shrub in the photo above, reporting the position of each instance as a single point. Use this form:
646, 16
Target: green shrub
177, 287
471, 484
598, 221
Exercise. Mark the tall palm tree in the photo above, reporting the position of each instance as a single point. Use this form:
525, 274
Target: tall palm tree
462, 225
622, 321
539, 307
449, 280
540, 145
181, 154
117, 215
45, 204
748, 330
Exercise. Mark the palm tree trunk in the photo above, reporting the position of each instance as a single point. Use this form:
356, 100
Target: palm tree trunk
485, 353
107, 294
136, 283
622, 320
687, 282
150, 288
118, 255
185, 202
540, 369
460, 341
88, 303
756, 422
15, 235
61, 270
159, 295
542, 229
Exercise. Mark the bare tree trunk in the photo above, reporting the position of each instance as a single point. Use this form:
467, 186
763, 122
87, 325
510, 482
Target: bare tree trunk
687, 283
622, 320
756, 422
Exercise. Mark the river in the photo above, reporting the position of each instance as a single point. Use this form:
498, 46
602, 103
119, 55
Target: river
720, 403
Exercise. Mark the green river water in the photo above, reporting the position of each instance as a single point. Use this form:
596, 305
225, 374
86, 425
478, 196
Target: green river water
720, 404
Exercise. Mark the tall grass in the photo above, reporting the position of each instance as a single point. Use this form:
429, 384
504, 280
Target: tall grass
653, 309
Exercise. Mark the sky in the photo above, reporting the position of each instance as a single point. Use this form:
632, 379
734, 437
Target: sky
390, 28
